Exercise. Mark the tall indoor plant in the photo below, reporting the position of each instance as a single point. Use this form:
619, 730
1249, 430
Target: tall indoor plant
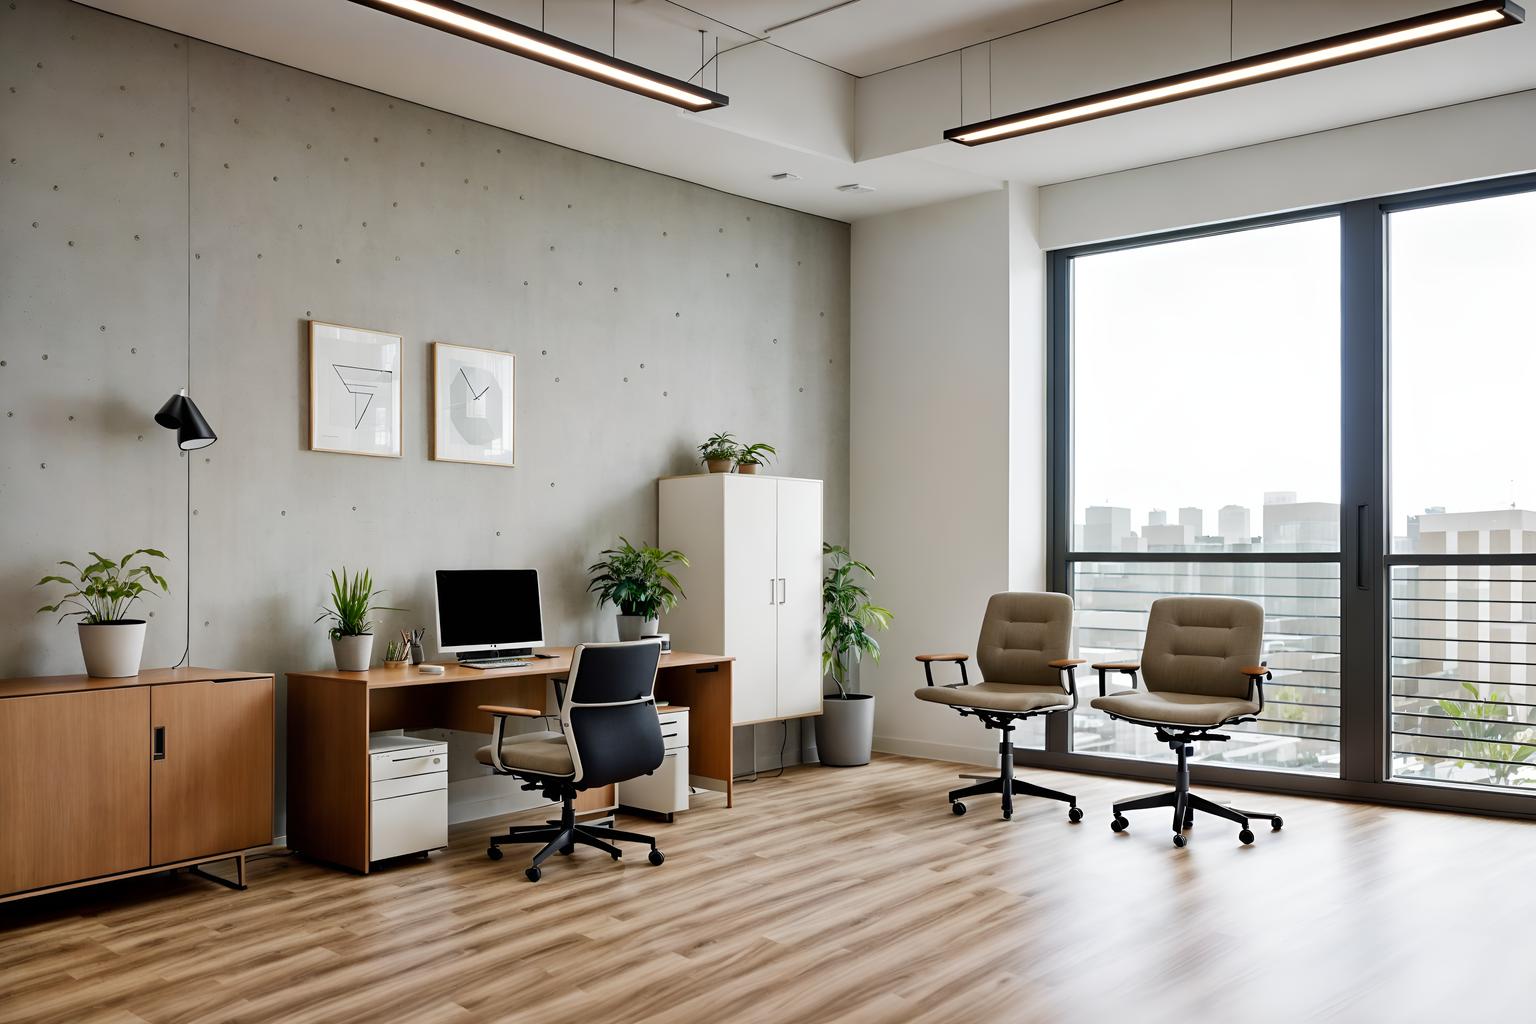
111, 643
351, 631
845, 731
638, 582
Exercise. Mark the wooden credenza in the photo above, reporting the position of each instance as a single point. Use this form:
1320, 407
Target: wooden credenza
108, 778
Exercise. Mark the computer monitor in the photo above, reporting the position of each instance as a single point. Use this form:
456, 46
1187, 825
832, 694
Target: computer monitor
488, 612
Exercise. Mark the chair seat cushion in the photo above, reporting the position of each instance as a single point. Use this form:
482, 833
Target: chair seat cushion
540, 756
1165, 708
996, 696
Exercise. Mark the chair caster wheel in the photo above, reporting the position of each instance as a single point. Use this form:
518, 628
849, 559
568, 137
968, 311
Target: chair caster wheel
566, 851
656, 857
1119, 824
1007, 813
1180, 841
1075, 815
1245, 837
958, 808
533, 874
1277, 824
494, 853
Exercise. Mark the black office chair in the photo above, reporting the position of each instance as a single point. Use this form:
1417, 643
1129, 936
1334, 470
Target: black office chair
611, 734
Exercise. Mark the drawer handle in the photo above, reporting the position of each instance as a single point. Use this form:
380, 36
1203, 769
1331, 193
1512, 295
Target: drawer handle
668, 735
159, 743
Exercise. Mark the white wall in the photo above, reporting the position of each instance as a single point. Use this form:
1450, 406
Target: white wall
945, 318
1465, 142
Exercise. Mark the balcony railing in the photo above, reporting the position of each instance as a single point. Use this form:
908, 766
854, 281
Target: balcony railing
1299, 729
1463, 674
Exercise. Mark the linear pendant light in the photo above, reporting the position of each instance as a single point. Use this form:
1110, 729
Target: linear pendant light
461, 20
1462, 20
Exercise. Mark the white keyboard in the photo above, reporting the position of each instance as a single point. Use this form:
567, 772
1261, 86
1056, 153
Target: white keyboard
495, 663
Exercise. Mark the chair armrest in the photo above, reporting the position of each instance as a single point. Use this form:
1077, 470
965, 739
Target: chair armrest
499, 710
1068, 666
1128, 668
959, 659
1065, 663
1256, 675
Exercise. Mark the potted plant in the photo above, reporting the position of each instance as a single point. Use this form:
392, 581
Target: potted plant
637, 582
351, 632
845, 731
111, 643
719, 452
754, 455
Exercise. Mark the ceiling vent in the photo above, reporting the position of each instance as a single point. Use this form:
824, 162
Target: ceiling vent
855, 187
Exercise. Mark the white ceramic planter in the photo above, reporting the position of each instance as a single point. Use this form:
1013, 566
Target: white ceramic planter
353, 653
633, 627
112, 650
845, 730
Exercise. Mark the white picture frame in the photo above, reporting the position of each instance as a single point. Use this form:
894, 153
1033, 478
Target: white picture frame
355, 390
474, 405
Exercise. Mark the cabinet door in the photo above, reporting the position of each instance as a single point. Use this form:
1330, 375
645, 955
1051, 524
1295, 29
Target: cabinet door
211, 785
752, 596
800, 561
74, 786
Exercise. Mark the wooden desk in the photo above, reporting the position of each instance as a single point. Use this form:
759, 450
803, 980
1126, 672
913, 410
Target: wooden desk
110, 778
331, 713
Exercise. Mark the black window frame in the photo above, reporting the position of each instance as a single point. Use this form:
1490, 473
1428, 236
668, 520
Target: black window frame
1365, 563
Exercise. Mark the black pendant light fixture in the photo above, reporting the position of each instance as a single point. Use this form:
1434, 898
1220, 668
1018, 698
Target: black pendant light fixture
461, 20
1453, 22
182, 415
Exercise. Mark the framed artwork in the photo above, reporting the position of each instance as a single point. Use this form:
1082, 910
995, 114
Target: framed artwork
354, 390
473, 401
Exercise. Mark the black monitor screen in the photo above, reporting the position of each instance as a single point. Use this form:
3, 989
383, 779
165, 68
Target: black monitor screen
483, 608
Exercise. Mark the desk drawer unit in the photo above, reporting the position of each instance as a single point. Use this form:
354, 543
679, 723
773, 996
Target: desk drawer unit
408, 784
665, 791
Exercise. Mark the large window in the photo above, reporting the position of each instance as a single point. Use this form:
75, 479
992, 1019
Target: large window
1327, 413
1461, 287
1205, 422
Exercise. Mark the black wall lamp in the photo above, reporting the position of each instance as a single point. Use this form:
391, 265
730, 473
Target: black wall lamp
513, 37
182, 415
1462, 20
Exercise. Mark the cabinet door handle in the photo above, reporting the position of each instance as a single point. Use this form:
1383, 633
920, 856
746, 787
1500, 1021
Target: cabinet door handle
783, 592
772, 595
158, 749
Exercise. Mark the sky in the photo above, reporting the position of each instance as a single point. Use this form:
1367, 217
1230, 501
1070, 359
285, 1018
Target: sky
1206, 370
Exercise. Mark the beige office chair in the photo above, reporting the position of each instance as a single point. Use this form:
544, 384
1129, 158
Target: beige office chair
1022, 653
1201, 669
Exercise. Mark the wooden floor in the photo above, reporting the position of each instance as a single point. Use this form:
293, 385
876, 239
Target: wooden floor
832, 895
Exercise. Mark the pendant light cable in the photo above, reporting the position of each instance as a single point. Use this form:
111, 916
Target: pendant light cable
187, 652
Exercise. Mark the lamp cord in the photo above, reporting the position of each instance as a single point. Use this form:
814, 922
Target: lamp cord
187, 652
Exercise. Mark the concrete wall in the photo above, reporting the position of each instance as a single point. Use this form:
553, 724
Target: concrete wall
645, 313
947, 485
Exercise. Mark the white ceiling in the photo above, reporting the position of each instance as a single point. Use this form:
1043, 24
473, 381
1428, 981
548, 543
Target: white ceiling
789, 114
866, 37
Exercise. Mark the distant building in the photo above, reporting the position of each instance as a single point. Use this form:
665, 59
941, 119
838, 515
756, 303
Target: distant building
1232, 522
1279, 497
1193, 518
1167, 536
1300, 525
1107, 528
1157, 517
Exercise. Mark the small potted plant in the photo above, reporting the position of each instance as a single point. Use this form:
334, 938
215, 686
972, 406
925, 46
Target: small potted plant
637, 582
719, 452
846, 728
754, 455
111, 643
351, 631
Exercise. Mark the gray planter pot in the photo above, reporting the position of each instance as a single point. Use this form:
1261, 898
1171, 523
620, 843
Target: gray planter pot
112, 650
845, 732
633, 627
353, 653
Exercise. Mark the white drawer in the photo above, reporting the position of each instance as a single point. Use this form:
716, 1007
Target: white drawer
665, 791
401, 763
388, 789
409, 824
674, 729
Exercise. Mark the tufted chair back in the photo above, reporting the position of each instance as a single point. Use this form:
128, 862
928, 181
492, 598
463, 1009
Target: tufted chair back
1020, 634
1201, 645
